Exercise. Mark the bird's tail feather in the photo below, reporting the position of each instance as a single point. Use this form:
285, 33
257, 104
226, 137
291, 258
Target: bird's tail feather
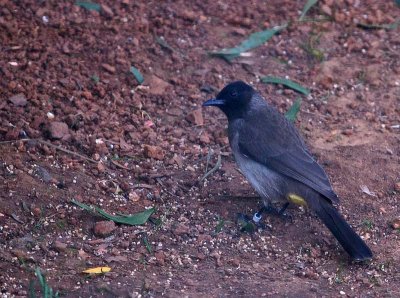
347, 237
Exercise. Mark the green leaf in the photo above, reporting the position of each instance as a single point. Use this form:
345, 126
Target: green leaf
88, 5
138, 76
309, 4
254, 40
288, 83
291, 114
133, 220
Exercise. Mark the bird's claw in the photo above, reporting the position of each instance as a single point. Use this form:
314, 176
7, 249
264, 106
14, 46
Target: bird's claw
277, 212
286, 216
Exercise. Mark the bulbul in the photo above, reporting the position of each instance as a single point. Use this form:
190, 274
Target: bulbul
273, 157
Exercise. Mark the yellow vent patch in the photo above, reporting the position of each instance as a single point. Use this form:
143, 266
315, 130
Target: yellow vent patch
295, 199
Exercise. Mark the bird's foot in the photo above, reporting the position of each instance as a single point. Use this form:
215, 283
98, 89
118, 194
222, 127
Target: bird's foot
269, 209
248, 224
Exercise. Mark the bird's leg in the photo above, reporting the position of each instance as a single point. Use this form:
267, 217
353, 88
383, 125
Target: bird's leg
270, 210
281, 212
248, 222
258, 215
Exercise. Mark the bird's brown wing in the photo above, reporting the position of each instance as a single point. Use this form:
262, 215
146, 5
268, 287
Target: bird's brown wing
267, 137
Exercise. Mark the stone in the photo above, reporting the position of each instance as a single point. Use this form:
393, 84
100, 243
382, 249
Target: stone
58, 130
326, 9
157, 85
60, 246
106, 11
205, 138
18, 100
195, 117
133, 196
160, 257
111, 69
396, 224
181, 230
153, 152
104, 228
397, 186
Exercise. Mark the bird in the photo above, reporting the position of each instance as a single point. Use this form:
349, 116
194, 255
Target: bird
272, 155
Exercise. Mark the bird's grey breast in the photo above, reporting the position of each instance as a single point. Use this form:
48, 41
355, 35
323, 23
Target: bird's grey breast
265, 181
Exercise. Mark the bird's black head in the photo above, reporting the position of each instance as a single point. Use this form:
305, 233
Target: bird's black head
233, 100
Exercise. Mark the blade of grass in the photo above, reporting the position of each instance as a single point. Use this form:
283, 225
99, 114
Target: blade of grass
310, 46
88, 5
291, 114
147, 245
391, 26
32, 293
219, 226
161, 41
47, 291
41, 279
288, 83
136, 73
95, 78
209, 154
254, 40
156, 221
215, 168
306, 8
133, 220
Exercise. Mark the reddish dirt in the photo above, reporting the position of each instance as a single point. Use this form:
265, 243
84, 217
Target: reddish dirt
66, 86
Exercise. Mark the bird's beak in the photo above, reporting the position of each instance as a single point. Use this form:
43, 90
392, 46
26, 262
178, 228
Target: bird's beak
214, 102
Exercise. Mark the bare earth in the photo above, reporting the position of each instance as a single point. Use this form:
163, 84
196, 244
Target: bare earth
66, 85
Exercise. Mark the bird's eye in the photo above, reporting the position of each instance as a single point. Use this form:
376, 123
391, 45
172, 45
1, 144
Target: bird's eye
234, 93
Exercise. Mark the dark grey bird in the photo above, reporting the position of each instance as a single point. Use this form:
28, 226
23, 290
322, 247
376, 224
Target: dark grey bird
273, 157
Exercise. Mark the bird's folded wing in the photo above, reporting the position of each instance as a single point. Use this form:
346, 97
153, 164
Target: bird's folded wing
277, 145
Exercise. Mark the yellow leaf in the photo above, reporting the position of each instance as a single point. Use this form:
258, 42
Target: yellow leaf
97, 270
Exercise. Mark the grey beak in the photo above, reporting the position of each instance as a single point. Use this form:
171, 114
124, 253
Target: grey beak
214, 102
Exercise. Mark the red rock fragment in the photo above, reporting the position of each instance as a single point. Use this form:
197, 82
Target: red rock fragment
160, 257
157, 85
104, 228
111, 69
396, 224
153, 152
106, 11
195, 117
18, 100
181, 230
58, 130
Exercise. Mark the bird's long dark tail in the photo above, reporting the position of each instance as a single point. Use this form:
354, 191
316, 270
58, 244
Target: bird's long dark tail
347, 237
